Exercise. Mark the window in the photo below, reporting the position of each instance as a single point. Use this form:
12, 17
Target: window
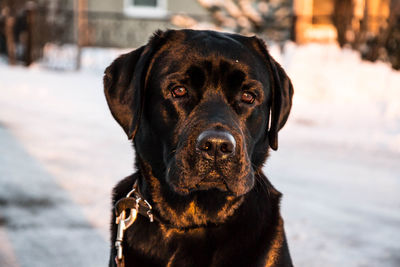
146, 8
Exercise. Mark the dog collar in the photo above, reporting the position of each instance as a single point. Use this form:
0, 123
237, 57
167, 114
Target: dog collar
135, 203
134, 200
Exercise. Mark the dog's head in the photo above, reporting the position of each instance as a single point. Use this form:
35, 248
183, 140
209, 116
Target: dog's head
202, 107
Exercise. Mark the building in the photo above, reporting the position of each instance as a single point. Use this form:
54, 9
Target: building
129, 23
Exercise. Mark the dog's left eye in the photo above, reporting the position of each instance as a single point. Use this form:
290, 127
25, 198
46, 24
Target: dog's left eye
179, 91
248, 97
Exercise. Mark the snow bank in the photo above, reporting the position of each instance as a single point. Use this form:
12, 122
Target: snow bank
342, 100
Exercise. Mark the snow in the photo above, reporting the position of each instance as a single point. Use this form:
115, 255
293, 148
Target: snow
337, 163
345, 100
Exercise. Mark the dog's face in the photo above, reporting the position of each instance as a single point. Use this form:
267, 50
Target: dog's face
198, 105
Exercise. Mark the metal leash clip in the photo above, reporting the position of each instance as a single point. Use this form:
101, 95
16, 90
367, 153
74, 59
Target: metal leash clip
148, 212
124, 223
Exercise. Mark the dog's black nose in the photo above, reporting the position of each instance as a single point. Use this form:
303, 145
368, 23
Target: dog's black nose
215, 144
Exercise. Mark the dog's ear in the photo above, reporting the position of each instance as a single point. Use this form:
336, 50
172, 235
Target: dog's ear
124, 84
281, 100
119, 89
281, 104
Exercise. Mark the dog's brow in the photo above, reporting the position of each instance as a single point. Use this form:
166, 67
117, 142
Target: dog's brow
235, 78
197, 76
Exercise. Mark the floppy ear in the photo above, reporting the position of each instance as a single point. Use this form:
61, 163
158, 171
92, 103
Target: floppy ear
124, 85
282, 93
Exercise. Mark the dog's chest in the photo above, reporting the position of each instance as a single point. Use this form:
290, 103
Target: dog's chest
190, 248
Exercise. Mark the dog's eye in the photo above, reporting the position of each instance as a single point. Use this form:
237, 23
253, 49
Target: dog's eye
248, 97
179, 91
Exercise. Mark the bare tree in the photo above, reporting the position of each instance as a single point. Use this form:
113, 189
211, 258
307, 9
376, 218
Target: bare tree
392, 41
342, 18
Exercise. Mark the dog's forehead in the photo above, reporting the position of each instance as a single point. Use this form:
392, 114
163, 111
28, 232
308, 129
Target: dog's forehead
210, 43
184, 47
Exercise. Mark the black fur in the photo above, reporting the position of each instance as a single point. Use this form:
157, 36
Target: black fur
212, 211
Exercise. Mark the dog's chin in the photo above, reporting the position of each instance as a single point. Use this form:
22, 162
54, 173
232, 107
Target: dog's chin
205, 185
212, 183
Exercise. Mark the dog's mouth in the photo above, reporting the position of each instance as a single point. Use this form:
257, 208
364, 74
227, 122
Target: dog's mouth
230, 177
213, 180
210, 182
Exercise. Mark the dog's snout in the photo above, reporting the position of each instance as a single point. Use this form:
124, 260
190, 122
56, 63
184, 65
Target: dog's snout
215, 144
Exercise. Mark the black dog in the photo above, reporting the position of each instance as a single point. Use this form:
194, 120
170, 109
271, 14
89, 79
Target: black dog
202, 108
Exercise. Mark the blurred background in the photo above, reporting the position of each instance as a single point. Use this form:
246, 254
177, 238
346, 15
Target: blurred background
338, 162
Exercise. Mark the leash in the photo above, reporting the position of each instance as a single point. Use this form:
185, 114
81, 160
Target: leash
135, 203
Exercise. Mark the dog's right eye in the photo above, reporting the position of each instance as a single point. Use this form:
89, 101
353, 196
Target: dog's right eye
179, 91
248, 97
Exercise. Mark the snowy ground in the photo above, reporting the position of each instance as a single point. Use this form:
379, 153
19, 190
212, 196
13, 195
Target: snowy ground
337, 164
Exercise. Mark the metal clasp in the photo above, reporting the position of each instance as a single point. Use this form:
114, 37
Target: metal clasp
123, 224
148, 212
